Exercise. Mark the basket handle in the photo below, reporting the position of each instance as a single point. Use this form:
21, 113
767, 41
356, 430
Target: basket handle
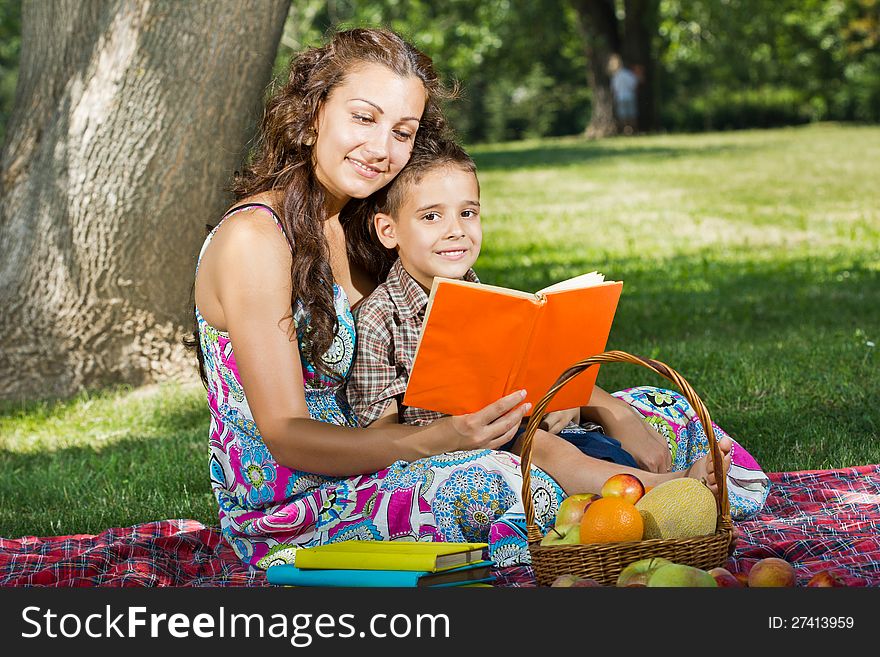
616, 357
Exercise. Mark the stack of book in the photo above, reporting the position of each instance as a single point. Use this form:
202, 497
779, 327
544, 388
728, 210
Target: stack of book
386, 563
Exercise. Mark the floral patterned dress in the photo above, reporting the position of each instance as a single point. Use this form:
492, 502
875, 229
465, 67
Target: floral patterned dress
267, 510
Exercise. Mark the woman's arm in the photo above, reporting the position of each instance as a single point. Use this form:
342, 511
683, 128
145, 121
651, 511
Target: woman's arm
619, 421
253, 288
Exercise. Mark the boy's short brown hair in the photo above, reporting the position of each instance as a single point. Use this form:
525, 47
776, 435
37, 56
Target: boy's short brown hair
427, 157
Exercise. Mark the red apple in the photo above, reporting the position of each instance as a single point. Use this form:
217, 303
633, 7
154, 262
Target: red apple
572, 510
826, 578
725, 578
772, 572
625, 486
742, 578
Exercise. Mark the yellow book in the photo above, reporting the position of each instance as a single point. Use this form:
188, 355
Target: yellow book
389, 555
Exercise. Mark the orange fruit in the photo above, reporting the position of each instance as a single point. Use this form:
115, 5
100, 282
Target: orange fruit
610, 520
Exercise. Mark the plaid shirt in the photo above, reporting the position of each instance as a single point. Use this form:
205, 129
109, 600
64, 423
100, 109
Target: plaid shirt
389, 323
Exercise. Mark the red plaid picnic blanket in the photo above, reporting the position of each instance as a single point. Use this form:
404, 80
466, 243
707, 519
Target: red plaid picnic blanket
814, 519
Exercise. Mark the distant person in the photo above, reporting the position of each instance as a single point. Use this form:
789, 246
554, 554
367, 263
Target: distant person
624, 90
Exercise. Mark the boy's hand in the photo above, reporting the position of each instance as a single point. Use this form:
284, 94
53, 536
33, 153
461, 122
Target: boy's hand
556, 421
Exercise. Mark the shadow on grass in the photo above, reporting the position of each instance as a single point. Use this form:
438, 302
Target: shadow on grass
88, 489
742, 297
569, 154
156, 470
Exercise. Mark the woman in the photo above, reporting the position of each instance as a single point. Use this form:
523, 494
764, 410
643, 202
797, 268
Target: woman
274, 288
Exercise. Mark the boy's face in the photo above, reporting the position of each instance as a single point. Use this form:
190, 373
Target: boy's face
436, 230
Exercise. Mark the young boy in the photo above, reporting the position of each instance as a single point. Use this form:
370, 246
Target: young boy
430, 214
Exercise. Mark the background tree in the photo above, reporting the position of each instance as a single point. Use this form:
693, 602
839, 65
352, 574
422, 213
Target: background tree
10, 45
128, 119
629, 34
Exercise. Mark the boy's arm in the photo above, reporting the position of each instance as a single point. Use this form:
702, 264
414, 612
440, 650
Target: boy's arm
374, 381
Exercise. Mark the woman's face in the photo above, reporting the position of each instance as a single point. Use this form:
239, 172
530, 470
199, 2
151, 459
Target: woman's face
366, 129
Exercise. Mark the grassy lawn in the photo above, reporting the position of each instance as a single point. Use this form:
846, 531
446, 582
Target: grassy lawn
750, 261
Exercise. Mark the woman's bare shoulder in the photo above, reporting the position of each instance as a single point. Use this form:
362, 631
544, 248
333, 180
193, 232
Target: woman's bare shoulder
251, 230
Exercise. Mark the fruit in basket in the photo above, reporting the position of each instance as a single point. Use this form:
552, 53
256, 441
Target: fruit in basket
571, 510
678, 508
826, 578
724, 578
680, 575
625, 486
610, 520
638, 572
772, 572
572, 536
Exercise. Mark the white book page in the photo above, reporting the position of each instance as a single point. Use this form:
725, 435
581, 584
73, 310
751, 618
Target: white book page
584, 280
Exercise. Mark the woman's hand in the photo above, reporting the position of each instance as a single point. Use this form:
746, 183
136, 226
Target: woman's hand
556, 421
490, 427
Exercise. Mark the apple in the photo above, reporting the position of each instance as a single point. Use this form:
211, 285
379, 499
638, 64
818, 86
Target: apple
772, 572
742, 578
624, 485
724, 578
572, 510
572, 536
638, 572
826, 578
585, 581
680, 575
566, 579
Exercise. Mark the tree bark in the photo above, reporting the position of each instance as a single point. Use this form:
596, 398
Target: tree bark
640, 26
129, 118
599, 26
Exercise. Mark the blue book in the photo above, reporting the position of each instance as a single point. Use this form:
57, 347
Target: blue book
290, 575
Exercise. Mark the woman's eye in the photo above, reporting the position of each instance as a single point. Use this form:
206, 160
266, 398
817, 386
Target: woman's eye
403, 135
363, 118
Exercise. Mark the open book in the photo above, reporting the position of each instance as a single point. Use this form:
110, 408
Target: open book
482, 342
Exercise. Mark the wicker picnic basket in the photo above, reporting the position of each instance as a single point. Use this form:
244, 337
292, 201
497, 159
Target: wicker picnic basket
604, 561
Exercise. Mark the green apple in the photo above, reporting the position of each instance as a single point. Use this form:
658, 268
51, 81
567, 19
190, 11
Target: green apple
555, 537
680, 575
638, 572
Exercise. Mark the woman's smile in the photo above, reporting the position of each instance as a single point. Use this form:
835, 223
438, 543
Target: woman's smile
366, 170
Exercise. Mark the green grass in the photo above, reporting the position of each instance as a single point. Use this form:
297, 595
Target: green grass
750, 261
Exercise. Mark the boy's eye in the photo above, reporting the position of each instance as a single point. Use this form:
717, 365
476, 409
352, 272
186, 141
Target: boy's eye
469, 214
431, 216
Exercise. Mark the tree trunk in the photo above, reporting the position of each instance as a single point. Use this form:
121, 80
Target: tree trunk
640, 26
598, 23
129, 119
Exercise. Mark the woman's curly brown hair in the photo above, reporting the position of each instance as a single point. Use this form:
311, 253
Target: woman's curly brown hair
282, 160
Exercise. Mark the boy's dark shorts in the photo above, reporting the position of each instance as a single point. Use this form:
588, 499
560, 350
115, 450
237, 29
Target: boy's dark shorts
591, 443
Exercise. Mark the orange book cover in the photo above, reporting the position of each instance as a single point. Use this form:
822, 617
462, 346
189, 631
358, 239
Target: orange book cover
482, 342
